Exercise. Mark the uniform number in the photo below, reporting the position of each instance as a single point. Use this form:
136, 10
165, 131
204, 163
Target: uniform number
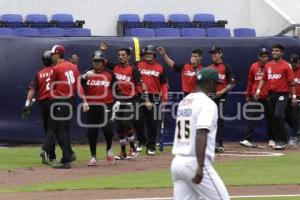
70, 76
48, 84
183, 127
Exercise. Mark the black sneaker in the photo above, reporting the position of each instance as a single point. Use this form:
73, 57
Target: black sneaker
219, 149
45, 158
61, 165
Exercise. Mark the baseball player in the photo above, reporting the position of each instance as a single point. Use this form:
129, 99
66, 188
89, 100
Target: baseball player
293, 112
188, 70
41, 85
128, 79
98, 84
74, 59
194, 143
254, 77
278, 74
63, 87
228, 82
154, 77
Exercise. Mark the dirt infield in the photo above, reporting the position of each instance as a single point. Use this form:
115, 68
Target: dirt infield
81, 170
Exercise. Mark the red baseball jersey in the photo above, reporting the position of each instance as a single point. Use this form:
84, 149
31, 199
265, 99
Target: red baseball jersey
153, 75
254, 77
278, 75
225, 74
65, 79
128, 79
188, 78
297, 81
41, 83
98, 88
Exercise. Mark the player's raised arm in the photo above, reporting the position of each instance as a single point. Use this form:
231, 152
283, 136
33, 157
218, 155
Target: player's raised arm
165, 56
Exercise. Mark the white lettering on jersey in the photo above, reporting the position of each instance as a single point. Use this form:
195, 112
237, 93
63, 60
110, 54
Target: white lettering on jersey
189, 73
274, 76
195, 111
98, 83
222, 76
122, 77
149, 72
46, 74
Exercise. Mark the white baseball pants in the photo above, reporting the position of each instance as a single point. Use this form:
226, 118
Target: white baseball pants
183, 170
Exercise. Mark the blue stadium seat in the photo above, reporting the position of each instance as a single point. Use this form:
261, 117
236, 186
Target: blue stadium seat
167, 32
179, 18
192, 32
142, 32
78, 32
203, 17
27, 32
154, 18
58, 32
6, 32
129, 18
37, 20
218, 32
12, 20
64, 20
244, 32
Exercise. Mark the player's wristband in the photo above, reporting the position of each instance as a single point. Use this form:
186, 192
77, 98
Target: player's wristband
294, 96
27, 103
258, 91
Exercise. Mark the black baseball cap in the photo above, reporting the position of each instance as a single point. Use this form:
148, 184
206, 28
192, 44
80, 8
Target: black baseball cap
263, 51
294, 58
215, 49
98, 56
207, 74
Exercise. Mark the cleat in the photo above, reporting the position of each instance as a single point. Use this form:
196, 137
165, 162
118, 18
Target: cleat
139, 148
92, 162
151, 152
110, 158
246, 143
219, 149
45, 158
121, 156
132, 153
271, 143
279, 146
292, 142
61, 165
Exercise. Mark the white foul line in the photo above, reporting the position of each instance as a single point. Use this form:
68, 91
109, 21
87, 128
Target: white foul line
232, 197
250, 154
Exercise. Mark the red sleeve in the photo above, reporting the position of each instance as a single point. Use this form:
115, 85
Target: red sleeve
290, 74
265, 74
250, 82
164, 91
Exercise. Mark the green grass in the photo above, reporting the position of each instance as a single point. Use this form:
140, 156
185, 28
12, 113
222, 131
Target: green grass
27, 157
259, 171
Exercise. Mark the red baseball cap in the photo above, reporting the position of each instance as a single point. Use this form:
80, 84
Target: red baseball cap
58, 49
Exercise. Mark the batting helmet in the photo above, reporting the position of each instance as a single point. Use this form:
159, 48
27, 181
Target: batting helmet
150, 49
46, 58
